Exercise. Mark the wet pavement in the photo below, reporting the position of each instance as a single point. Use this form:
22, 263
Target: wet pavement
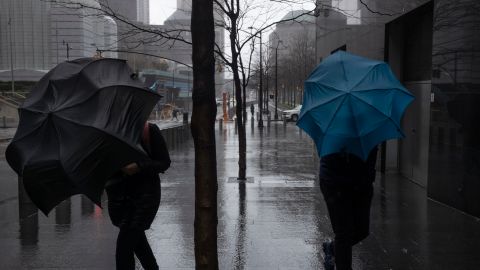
7, 133
277, 220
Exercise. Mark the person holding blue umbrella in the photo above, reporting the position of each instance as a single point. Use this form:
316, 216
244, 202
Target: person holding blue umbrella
351, 104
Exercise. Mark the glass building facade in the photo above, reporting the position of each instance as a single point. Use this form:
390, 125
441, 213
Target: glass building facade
37, 35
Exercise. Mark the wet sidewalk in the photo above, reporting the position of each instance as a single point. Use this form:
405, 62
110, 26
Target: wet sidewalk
276, 221
7, 134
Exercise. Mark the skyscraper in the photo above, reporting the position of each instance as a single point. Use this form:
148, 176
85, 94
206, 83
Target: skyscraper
37, 35
132, 10
143, 11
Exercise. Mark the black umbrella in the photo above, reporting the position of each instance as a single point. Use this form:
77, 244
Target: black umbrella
80, 124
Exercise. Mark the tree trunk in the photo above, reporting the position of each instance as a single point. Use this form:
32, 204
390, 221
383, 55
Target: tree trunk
242, 140
244, 105
203, 132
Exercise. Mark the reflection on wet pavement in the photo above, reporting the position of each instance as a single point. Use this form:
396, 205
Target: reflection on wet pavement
276, 221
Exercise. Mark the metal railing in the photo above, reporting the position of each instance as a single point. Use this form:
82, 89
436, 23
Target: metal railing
14, 98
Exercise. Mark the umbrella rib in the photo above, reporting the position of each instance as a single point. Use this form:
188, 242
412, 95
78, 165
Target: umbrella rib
341, 94
375, 108
355, 123
393, 88
343, 68
25, 135
60, 160
103, 88
330, 101
100, 59
332, 87
390, 137
90, 63
364, 78
101, 130
335, 114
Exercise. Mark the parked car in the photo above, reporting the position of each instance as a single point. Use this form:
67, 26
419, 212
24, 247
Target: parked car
292, 114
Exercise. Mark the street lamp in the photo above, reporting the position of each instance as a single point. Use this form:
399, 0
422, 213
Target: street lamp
11, 53
276, 79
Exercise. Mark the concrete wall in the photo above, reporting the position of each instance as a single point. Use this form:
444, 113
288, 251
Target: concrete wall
176, 136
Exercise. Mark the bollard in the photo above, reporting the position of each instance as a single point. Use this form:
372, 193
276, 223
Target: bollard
284, 121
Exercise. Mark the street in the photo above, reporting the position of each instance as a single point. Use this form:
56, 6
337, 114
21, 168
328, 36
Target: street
277, 220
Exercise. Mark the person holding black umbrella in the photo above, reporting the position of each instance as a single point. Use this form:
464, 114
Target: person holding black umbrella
133, 200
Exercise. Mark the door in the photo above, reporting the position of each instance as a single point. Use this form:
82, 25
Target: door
413, 152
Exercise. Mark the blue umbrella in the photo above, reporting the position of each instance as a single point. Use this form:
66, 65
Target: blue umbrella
351, 104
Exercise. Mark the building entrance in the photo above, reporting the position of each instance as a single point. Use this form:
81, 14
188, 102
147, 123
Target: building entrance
409, 53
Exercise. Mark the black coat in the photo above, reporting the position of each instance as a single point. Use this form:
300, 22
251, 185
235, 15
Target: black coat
133, 201
344, 168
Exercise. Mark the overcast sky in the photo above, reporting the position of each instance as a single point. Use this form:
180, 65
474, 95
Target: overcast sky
161, 9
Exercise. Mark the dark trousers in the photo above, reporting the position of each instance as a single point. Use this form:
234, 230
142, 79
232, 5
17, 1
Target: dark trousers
349, 210
130, 242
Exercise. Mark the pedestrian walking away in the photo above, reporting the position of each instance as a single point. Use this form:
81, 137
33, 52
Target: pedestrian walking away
133, 200
346, 182
175, 114
252, 109
351, 104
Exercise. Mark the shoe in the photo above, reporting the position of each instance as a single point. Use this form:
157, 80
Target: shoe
329, 261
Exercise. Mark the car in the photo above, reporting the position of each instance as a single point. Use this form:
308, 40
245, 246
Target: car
219, 101
292, 114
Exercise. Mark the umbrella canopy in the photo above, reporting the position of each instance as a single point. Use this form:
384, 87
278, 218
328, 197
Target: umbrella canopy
80, 124
351, 104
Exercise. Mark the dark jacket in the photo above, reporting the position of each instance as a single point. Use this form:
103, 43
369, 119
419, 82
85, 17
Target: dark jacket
344, 168
133, 201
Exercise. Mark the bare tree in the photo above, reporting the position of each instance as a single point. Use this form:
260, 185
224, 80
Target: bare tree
235, 14
295, 65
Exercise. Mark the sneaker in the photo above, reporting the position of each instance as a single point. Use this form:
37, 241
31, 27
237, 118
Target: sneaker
329, 261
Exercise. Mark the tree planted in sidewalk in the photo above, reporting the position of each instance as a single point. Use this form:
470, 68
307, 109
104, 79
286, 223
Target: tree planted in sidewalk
236, 22
202, 126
